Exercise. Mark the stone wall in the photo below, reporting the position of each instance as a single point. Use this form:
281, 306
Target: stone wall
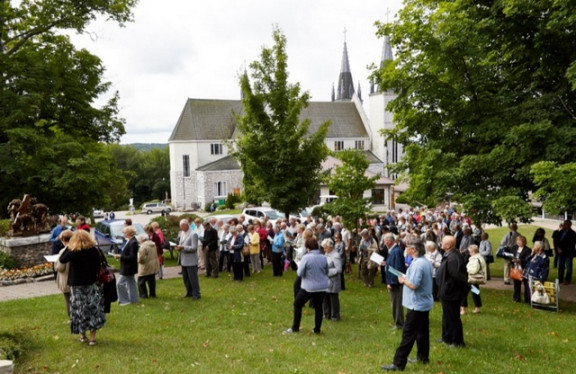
30, 250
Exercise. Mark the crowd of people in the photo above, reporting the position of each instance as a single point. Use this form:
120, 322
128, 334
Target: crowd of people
423, 257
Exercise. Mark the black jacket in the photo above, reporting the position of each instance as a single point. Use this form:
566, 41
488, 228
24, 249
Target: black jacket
567, 243
84, 266
452, 277
210, 241
129, 258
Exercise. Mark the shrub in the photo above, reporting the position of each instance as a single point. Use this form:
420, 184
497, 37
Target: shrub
4, 227
12, 345
8, 262
170, 224
231, 200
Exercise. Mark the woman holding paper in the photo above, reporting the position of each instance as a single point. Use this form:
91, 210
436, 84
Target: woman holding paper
476, 269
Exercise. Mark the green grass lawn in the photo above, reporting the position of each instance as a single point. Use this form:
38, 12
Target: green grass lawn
237, 328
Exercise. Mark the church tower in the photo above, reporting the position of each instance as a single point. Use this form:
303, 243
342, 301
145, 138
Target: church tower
345, 83
380, 119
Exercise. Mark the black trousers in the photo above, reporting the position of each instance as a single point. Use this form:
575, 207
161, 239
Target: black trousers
476, 298
277, 265
238, 271
227, 257
246, 265
416, 330
299, 302
151, 280
452, 330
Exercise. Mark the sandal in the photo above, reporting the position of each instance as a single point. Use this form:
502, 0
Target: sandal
83, 339
92, 342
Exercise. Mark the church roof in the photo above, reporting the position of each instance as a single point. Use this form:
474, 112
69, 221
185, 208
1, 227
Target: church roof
372, 158
225, 163
203, 119
206, 120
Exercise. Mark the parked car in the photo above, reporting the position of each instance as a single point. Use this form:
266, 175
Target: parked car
260, 212
150, 208
98, 213
109, 234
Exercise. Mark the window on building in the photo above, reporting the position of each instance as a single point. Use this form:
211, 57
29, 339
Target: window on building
220, 189
378, 196
186, 161
338, 145
359, 144
216, 149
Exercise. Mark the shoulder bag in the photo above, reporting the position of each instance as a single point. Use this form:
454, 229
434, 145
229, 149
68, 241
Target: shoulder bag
516, 273
105, 274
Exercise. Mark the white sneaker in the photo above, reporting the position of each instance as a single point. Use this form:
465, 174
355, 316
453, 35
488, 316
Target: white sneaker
289, 331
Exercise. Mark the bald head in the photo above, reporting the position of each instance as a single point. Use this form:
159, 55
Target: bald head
448, 243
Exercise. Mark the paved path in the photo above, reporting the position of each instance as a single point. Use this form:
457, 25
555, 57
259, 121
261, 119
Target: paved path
36, 289
48, 287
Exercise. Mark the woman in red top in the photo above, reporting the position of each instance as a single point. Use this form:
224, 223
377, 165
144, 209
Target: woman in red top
81, 224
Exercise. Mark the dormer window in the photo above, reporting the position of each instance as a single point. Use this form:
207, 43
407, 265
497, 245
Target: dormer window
359, 144
216, 149
338, 145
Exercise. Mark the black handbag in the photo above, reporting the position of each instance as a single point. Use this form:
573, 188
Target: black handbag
504, 252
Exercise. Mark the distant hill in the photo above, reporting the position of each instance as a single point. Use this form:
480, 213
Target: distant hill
148, 146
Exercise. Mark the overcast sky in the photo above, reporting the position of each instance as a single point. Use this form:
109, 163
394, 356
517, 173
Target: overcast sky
180, 49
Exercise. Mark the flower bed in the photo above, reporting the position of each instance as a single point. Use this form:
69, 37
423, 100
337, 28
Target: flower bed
15, 276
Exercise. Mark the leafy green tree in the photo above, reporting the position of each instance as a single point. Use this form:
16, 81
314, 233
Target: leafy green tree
485, 90
557, 184
147, 172
349, 181
279, 156
49, 123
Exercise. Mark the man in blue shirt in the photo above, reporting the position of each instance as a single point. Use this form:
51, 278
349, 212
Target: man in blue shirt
417, 299
56, 231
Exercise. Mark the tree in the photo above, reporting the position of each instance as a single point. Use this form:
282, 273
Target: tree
485, 90
279, 156
557, 184
47, 97
349, 181
147, 172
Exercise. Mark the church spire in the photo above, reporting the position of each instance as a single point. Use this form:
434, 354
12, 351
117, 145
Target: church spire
345, 82
386, 51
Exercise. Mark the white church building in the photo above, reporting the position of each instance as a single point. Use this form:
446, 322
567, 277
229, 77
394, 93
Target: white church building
201, 171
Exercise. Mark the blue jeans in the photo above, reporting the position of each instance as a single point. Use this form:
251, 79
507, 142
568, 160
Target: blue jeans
564, 263
127, 290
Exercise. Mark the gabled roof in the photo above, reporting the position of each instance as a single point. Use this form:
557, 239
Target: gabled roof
225, 163
372, 158
214, 119
206, 120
